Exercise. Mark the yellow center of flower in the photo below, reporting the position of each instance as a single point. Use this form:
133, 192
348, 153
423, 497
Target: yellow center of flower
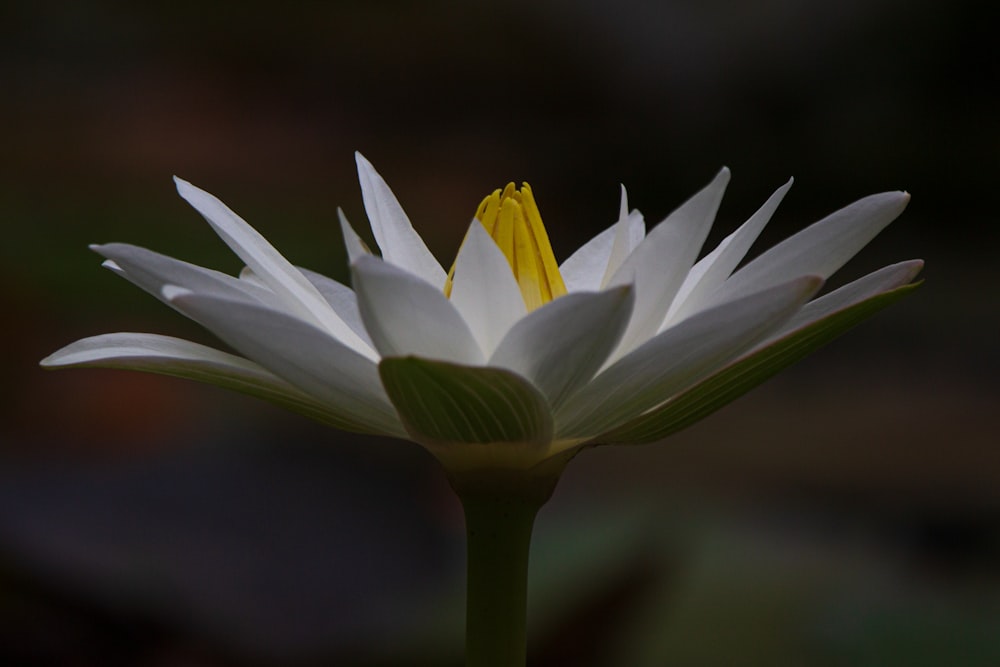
511, 218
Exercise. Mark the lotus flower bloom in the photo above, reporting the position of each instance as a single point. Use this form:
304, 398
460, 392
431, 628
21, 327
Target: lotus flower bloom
509, 360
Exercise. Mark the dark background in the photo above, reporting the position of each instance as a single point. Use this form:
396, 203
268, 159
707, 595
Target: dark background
847, 513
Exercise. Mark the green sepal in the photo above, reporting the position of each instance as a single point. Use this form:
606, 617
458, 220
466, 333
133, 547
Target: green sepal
740, 377
442, 403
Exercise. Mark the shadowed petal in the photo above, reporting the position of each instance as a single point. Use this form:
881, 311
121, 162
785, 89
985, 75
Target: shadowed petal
270, 266
677, 358
741, 376
150, 271
405, 315
629, 233
885, 279
152, 353
301, 353
583, 271
658, 266
560, 346
352, 242
819, 249
713, 270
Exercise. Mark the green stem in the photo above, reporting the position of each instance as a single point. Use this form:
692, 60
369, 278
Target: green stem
499, 514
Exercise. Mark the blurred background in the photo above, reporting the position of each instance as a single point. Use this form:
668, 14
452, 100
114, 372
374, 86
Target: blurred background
846, 513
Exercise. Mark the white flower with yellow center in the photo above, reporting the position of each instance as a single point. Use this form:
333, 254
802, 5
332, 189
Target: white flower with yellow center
508, 361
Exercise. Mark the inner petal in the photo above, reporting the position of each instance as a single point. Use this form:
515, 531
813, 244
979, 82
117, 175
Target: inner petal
512, 220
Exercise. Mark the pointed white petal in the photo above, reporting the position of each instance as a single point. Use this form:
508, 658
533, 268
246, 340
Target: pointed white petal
583, 270
269, 265
300, 353
713, 270
677, 358
819, 249
352, 242
735, 379
629, 232
658, 266
595, 262
399, 242
405, 315
484, 290
885, 279
151, 271
342, 299
152, 353
561, 345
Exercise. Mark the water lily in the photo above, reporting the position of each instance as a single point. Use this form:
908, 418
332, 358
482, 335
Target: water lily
509, 363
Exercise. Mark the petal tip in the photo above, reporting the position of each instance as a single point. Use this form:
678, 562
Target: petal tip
362, 162
172, 292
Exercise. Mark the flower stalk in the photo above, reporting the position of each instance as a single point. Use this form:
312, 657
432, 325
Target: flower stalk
500, 512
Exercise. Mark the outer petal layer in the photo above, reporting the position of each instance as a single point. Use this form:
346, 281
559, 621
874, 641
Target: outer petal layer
151, 271
712, 271
152, 353
885, 279
740, 377
658, 266
469, 417
677, 358
819, 249
304, 355
270, 266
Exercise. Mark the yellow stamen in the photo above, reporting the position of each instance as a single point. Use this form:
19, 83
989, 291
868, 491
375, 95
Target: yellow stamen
512, 219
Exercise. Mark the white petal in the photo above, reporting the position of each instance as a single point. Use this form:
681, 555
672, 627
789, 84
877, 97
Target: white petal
883, 280
484, 290
151, 271
658, 266
352, 242
594, 263
151, 347
819, 249
180, 358
404, 315
584, 269
677, 358
342, 299
269, 265
629, 232
299, 352
561, 345
713, 270
399, 242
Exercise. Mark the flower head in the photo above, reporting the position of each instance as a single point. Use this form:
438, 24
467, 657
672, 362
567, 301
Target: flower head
508, 361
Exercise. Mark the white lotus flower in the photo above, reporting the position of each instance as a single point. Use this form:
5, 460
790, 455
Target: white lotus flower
508, 361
